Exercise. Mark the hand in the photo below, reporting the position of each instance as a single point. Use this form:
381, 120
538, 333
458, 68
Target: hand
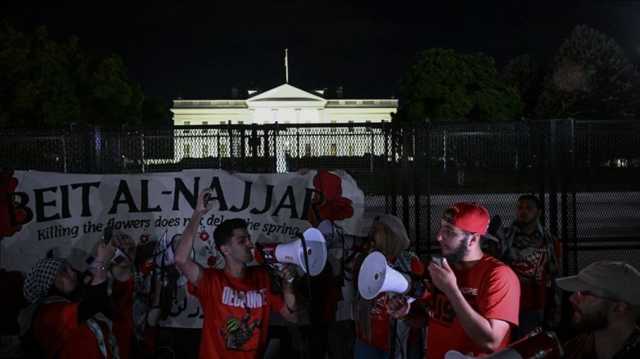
126, 245
443, 277
288, 276
104, 252
398, 306
201, 206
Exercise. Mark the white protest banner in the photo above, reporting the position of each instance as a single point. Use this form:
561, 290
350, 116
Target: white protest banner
44, 210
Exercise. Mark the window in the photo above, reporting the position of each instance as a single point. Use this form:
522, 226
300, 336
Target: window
307, 149
187, 150
333, 150
223, 150
350, 126
205, 150
350, 150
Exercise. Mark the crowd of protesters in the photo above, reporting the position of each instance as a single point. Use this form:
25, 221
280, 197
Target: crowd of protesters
491, 286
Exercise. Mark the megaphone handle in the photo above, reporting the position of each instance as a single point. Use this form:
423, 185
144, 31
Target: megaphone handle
304, 254
306, 265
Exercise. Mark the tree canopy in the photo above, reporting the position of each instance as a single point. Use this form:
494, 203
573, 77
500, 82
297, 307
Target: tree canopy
590, 78
48, 83
445, 85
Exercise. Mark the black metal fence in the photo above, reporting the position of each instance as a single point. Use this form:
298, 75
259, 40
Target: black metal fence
586, 172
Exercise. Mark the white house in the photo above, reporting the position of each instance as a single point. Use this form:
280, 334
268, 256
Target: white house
284, 104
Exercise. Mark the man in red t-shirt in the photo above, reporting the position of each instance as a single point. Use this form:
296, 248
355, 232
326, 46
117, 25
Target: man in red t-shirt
236, 300
474, 303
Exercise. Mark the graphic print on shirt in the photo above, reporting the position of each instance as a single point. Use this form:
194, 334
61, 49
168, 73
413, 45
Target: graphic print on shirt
441, 309
240, 332
530, 263
237, 332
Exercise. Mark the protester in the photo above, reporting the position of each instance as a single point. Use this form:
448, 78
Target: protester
66, 318
606, 303
236, 300
475, 300
374, 327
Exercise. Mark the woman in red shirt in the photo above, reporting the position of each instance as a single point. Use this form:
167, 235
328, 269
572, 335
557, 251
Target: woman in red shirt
66, 318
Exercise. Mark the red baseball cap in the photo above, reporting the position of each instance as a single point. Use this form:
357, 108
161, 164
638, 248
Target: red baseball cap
468, 216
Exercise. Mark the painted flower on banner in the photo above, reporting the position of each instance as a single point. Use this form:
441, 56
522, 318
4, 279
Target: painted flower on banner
333, 206
8, 185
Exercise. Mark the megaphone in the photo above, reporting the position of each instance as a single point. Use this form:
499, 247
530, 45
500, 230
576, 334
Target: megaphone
376, 276
294, 253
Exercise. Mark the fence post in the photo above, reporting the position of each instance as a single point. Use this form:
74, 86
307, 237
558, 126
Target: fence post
418, 168
243, 153
64, 152
394, 166
142, 157
538, 137
97, 145
253, 143
385, 158
568, 194
405, 149
428, 179
553, 180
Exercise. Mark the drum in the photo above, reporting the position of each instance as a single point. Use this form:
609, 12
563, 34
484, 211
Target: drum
538, 344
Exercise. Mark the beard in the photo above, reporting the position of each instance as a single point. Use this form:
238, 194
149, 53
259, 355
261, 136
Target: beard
593, 321
459, 252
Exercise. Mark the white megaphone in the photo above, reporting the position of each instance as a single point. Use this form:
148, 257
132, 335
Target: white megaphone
293, 252
376, 277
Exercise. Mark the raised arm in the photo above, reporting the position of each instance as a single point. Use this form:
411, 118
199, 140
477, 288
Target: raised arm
184, 262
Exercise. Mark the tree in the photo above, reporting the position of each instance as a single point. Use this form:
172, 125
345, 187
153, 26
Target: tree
526, 76
47, 83
591, 78
155, 112
445, 85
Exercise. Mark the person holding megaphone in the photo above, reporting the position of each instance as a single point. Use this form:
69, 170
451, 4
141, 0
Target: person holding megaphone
376, 333
475, 300
236, 300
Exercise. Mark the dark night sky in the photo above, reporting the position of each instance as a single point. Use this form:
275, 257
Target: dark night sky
201, 50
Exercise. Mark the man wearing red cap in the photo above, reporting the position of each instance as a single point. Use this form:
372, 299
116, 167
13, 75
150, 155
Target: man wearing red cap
475, 299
